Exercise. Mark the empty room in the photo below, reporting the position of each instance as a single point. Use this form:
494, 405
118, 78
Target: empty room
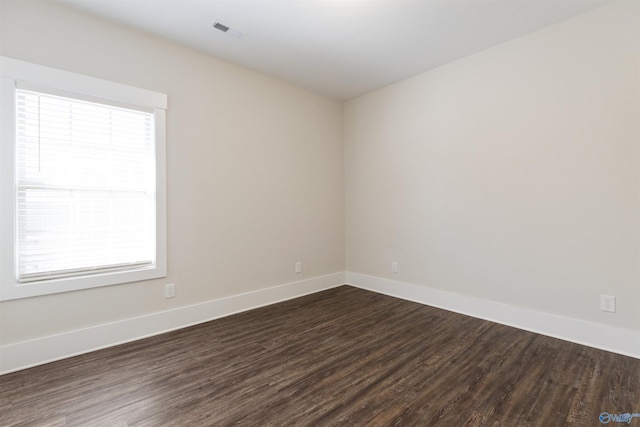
319, 212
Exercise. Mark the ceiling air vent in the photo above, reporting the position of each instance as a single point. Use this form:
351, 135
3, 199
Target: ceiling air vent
219, 26
234, 33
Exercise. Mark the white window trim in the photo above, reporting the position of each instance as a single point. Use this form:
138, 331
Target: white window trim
13, 71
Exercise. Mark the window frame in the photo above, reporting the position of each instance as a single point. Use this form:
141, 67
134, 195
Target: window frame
12, 72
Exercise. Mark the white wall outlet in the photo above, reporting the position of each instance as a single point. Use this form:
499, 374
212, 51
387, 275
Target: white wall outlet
608, 303
169, 290
298, 267
394, 267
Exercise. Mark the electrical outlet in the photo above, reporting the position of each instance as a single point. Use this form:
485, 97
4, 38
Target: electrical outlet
608, 303
169, 290
298, 267
394, 267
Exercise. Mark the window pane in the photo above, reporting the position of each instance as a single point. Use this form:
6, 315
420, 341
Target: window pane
86, 185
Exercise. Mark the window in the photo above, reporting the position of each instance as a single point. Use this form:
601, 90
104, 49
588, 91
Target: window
83, 185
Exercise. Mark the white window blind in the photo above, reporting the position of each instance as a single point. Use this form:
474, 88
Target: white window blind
85, 187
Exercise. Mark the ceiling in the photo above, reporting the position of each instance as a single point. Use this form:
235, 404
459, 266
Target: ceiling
341, 48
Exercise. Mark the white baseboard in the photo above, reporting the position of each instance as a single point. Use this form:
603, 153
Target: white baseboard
30, 353
617, 340
47, 349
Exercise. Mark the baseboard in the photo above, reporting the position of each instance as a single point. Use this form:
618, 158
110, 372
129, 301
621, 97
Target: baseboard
609, 338
47, 349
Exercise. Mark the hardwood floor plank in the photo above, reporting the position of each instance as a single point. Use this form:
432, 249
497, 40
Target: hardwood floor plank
340, 357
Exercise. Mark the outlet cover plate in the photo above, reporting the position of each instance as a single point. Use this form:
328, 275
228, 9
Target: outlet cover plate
169, 290
608, 303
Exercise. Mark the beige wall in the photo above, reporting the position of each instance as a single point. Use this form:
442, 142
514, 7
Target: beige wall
510, 175
254, 173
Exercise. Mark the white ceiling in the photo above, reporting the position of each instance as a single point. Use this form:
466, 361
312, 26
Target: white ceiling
341, 48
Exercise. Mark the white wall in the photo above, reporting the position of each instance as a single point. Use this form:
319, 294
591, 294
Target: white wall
255, 171
511, 175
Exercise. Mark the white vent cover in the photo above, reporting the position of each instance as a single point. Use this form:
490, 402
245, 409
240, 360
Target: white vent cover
230, 31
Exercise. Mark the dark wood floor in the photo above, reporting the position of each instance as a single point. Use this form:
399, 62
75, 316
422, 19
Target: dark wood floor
340, 357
